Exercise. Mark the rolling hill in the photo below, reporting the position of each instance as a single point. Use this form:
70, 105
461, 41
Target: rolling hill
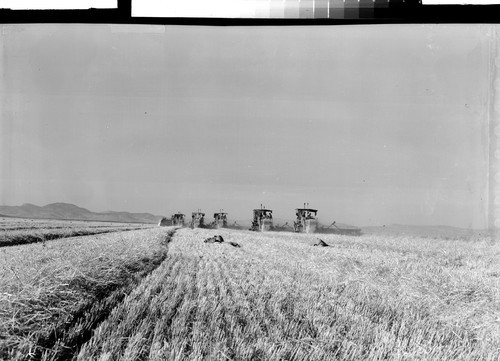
73, 212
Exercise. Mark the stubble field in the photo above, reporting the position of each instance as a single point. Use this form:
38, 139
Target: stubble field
15, 231
279, 298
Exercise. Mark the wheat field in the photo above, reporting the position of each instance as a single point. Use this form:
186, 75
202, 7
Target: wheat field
164, 294
279, 298
16, 231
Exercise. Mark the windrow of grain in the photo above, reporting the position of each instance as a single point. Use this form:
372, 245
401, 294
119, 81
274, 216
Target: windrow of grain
17, 233
52, 295
277, 297
25, 223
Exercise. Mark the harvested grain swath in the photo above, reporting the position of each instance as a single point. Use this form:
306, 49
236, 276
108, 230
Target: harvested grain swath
15, 232
25, 223
52, 295
277, 297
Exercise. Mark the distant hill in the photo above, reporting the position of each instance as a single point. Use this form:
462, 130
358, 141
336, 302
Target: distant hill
446, 232
73, 212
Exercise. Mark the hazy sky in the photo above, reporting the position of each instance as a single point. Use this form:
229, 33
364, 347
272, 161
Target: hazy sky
369, 124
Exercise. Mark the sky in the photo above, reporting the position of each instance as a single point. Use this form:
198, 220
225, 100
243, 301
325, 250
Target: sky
371, 125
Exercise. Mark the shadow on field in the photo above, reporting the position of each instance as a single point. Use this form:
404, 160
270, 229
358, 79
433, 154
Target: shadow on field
65, 340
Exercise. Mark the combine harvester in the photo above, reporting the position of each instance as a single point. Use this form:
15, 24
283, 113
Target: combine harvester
262, 220
306, 221
198, 219
176, 220
220, 220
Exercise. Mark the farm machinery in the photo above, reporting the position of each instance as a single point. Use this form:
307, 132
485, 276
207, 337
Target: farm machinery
198, 219
306, 221
220, 220
178, 219
262, 220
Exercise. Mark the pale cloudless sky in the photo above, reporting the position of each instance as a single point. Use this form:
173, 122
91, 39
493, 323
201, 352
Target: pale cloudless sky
369, 124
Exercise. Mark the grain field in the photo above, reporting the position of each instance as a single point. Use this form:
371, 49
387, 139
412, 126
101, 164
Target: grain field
279, 298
